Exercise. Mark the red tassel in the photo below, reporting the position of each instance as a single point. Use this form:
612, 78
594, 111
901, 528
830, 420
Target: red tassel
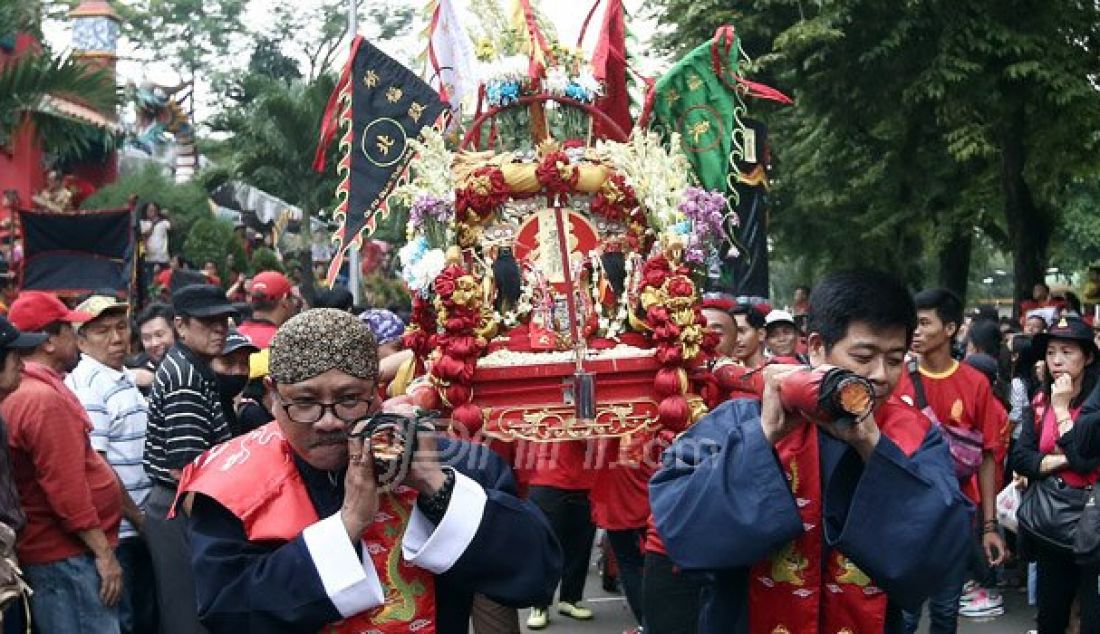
447, 368
668, 382
463, 347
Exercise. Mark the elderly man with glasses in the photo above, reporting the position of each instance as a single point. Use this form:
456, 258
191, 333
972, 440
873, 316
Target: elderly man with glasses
292, 529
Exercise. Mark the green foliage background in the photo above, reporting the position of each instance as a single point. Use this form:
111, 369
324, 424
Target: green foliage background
264, 259
927, 135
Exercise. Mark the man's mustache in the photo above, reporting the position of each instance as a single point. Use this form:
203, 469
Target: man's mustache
331, 438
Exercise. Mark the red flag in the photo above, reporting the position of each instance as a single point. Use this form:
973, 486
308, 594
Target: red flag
609, 63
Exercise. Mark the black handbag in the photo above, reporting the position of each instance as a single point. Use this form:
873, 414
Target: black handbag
1050, 511
1086, 544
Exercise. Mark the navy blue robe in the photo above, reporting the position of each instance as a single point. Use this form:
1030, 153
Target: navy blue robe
722, 503
246, 587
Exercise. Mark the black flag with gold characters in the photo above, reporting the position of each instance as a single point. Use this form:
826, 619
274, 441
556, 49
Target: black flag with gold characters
378, 107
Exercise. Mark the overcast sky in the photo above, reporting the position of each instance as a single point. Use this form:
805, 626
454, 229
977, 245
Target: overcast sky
567, 16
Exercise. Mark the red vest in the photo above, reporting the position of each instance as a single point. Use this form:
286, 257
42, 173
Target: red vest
794, 592
255, 478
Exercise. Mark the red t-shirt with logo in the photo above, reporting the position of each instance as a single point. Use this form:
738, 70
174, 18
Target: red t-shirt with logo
962, 397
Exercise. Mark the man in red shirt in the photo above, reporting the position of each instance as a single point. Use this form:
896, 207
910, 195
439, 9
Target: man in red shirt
1040, 298
719, 319
12, 344
273, 302
71, 496
560, 476
961, 397
749, 349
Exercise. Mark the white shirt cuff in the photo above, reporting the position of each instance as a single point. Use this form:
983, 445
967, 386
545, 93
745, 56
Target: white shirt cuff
437, 548
350, 582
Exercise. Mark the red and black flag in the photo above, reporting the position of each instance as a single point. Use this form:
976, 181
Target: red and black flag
378, 106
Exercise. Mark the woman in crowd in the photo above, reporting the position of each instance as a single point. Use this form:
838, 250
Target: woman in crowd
1048, 448
154, 324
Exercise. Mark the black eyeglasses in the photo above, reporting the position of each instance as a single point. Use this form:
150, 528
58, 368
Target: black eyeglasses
348, 409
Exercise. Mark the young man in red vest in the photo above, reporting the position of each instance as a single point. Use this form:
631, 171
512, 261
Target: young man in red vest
815, 528
960, 397
291, 532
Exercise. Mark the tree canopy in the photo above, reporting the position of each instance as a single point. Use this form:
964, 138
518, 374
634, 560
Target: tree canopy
920, 126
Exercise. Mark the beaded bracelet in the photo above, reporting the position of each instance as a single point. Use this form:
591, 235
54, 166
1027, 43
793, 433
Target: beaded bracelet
434, 507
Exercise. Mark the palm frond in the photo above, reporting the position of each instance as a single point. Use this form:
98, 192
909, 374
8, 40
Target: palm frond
28, 79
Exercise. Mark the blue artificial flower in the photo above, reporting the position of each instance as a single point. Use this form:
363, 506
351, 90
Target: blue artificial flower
510, 92
681, 228
577, 93
502, 93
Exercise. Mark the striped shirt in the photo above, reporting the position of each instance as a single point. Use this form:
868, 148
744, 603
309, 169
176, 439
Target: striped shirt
119, 417
185, 414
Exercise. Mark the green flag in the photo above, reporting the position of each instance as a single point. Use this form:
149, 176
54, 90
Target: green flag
691, 99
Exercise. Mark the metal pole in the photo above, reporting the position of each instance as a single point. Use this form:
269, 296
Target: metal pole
353, 252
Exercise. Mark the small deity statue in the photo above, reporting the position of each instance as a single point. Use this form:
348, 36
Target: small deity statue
55, 197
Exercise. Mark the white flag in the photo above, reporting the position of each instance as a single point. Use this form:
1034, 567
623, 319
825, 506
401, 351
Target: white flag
450, 56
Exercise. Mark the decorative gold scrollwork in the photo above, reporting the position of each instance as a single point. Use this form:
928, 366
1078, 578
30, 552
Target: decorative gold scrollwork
559, 423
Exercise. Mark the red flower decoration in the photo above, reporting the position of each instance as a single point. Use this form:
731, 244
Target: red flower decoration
655, 271
615, 199
674, 337
680, 286
444, 287
459, 349
483, 192
557, 174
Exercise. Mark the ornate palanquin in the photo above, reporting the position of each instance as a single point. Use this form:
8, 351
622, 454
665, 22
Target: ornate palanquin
556, 261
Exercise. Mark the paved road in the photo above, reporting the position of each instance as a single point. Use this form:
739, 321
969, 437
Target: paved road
612, 615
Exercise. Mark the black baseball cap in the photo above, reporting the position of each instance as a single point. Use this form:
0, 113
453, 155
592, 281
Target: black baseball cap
11, 338
236, 341
202, 300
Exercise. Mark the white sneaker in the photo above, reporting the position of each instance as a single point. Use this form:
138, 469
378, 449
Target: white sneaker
538, 619
970, 592
574, 610
985, 604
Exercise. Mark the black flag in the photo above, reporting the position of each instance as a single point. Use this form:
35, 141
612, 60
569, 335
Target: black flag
77, 253
378, 106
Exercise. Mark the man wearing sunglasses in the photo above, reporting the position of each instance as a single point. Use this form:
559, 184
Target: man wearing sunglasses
293, 529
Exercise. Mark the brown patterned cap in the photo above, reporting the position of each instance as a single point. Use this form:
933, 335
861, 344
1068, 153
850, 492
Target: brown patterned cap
316, 341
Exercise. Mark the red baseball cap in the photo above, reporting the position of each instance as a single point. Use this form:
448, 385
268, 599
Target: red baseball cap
34, 310
270, 285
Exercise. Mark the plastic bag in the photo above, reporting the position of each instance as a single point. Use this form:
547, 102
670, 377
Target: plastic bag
1008, 502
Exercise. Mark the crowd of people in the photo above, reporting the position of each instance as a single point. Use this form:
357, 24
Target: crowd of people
96, 437
198, 466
